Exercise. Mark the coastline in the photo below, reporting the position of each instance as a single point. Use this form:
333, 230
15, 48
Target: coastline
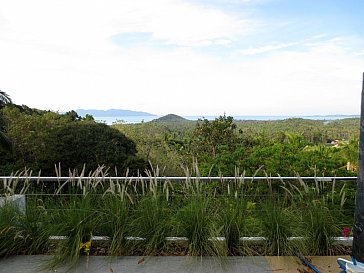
139, 119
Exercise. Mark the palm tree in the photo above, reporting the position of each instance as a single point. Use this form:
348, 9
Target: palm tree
5, 142
4, 99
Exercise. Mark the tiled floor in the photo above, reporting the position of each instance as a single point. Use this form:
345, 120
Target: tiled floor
172, 264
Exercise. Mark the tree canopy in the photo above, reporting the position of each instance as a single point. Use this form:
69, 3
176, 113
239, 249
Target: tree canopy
5, 142
43, 139
90, 144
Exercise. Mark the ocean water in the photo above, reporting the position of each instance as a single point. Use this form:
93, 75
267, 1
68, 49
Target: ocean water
125, 119
139, 119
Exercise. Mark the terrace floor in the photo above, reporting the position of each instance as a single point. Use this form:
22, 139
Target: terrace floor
173, 264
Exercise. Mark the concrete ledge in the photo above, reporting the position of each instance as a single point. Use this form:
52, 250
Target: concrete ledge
138, 264
16, 200
172, 264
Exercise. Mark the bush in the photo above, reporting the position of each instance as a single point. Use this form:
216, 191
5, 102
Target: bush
23, 233
42, 139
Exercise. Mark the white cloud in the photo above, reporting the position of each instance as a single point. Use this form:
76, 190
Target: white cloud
360, 53
325, 79
58, 55
265, 49
88, 23
185, 24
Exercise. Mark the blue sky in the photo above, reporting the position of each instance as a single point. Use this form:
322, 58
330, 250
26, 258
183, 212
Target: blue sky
207, 57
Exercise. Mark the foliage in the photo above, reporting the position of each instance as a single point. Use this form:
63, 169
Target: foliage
195, 222
283, 147
287, 147
320, 221
152, 222
350, 152
90, 144
276, 224
78, 224
159, 145
115, 221
321, 226
5, 142
210, 135
23, 233
29, 132
139, 215
234, 224
43, 139
4, 99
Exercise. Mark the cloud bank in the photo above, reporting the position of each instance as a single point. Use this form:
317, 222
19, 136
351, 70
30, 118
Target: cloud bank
169, 56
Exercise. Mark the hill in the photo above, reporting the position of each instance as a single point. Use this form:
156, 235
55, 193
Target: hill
111, 113
170, 118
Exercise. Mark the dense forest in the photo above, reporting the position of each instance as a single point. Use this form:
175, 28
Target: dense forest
226, 146
47, 142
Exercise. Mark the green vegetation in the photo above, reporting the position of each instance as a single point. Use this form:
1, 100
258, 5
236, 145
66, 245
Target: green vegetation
96, 144
139, 216
320, 215
5, 142
44, 139
40, 140
209, 217
224, 146
23, 233
170, 118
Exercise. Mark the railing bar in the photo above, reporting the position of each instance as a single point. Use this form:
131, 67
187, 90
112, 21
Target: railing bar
173, 178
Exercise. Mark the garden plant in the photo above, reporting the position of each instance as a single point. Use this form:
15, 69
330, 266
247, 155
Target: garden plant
158, 216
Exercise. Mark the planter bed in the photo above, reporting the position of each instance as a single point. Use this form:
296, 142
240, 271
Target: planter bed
233, 218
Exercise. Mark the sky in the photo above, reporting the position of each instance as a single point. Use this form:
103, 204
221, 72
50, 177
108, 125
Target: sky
203, 57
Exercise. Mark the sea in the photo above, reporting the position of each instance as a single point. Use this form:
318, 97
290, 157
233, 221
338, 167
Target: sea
140, 119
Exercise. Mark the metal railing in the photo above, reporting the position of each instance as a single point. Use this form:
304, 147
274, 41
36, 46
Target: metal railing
32, 179
178, 178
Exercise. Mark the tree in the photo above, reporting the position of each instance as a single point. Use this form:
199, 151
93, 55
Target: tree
159, 147
5, 142
4, 99
350, 152
216, 146
28, 129
72, 115
44, 138
209, 135
88, 117
92, 144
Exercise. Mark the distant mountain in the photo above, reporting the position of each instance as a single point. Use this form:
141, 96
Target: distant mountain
170, 118
111, 113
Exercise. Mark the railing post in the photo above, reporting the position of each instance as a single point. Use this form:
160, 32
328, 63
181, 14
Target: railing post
358, 229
